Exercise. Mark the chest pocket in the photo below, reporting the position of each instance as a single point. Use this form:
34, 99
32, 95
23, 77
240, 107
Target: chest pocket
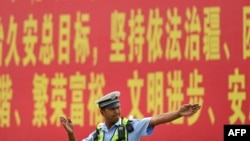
120, 134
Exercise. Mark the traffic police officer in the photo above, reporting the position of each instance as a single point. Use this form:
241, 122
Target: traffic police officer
116, 128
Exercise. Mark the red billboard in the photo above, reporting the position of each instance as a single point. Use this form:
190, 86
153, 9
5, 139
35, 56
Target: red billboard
58, 56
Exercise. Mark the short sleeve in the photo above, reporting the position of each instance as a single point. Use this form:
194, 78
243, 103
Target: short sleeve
141, 126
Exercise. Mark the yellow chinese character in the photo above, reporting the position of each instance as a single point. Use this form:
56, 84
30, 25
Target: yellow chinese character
59, 97
195, 93
29, 40
135, 39
6, 94
212, 33
64, 39
11, 42
174, 93
118, 36
154, 35
246, 32
237, 95
135, 84
81, 42
155, 93
77, 85
173, 49
40, 97
1, 41
46, 52
193, 29
95, 86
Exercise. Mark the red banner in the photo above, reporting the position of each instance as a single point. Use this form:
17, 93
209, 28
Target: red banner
58, 56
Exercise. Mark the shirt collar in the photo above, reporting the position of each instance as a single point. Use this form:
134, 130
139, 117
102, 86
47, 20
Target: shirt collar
104, 127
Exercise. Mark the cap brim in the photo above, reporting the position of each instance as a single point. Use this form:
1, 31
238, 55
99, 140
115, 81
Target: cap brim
113, 105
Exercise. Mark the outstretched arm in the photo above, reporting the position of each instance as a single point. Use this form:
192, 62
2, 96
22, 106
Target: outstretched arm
185, 110
68, 126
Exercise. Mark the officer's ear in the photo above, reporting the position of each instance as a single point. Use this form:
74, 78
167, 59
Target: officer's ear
102, 110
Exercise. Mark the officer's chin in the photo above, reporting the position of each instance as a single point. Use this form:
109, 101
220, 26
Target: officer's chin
116, 117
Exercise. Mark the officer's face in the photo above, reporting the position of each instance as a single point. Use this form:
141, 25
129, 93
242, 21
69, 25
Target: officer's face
111, 115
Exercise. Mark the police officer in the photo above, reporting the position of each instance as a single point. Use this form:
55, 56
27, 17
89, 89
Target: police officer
116, 128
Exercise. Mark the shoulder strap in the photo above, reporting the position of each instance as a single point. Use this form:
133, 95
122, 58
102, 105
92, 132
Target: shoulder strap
127, 123
124, 121
98, 131
99, 126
